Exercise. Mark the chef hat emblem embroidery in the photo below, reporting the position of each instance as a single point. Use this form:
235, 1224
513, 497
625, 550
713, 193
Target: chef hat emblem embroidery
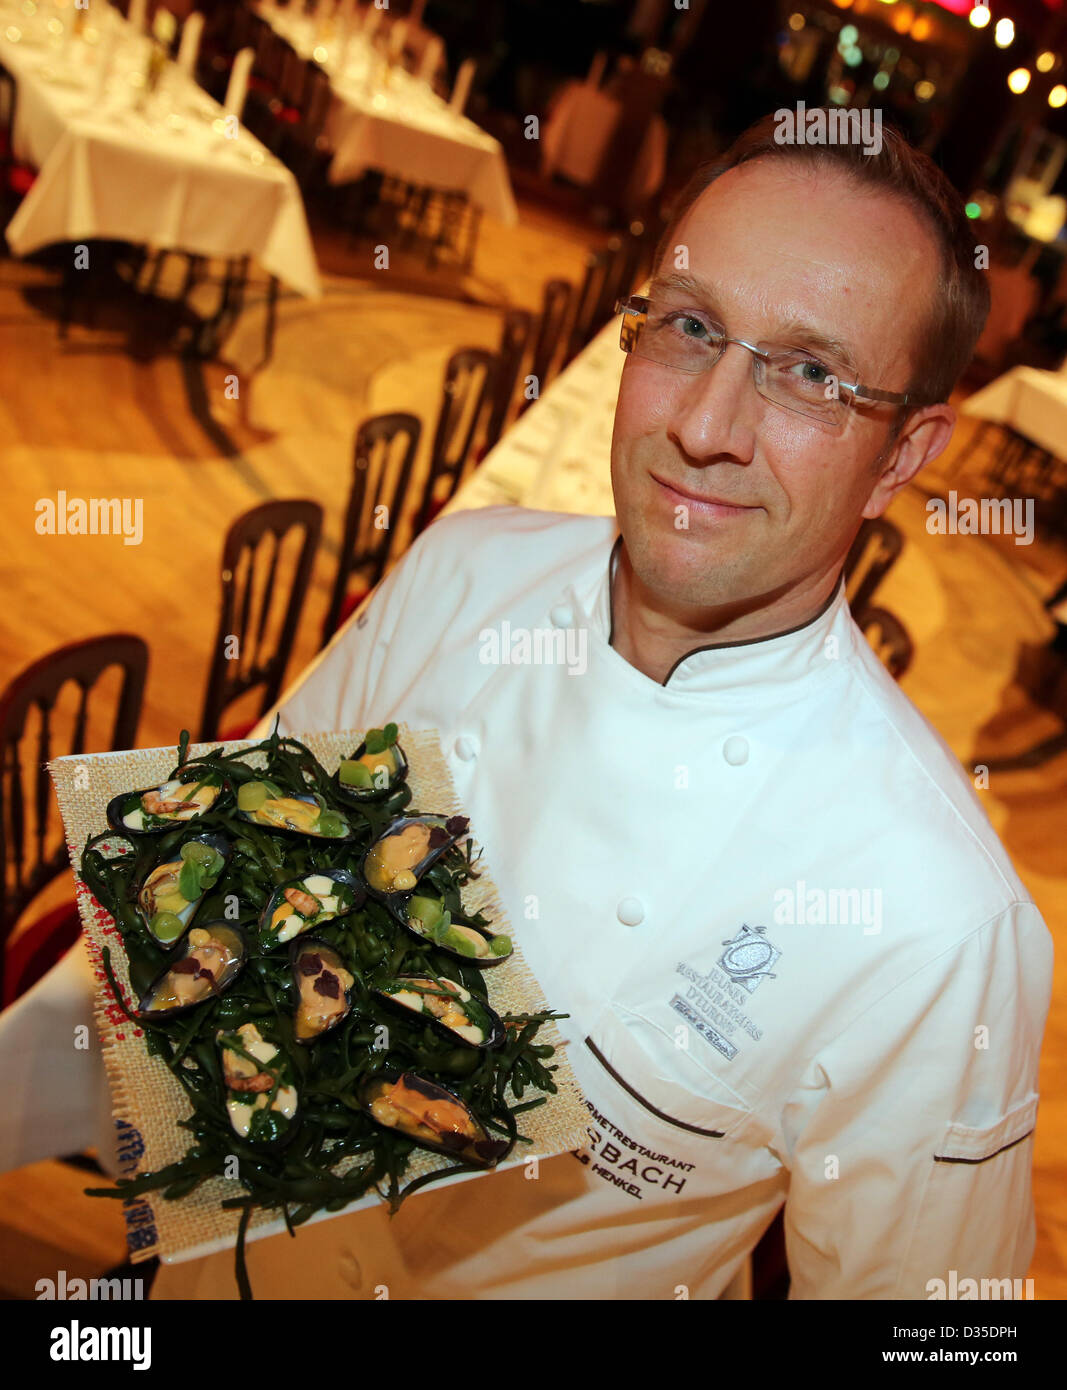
748, 957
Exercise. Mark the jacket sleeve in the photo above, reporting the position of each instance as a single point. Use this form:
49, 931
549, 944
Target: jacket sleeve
909, 1142
338, 689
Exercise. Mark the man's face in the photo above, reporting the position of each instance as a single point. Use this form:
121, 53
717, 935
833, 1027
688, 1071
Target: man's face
773, 248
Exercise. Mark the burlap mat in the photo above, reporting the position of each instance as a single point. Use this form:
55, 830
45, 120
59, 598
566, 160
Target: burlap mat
147, 1100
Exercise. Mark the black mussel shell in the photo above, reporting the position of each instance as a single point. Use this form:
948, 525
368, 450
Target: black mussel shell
373, 793
478, 1012
286, 1130
251, 818
188, 913
126, 802
230, 935
317, 967
452, 829
471, 1144
403, 913
268, 939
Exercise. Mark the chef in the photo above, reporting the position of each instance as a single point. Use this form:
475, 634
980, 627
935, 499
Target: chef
799, 967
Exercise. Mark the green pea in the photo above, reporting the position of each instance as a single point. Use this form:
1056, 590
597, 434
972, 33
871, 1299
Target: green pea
251, 796
167, 926
355, 774
330, 823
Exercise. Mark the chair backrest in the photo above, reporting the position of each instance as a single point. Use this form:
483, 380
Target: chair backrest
292, 78
316, 97
462, 90
384, 455
583, 323
250, 650
514, 338
889, 639
871, 557
28, 856
555, 305
8, 98
468, 390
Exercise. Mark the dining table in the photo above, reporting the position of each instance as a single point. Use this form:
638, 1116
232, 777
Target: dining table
382, 117
134, 150
1028, 400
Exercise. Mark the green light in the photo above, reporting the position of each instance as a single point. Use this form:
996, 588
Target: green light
892, 55
849, 34
853, 57
973, 210
881, 81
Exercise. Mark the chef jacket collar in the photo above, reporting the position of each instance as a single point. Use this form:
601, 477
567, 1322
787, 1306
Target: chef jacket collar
777, 660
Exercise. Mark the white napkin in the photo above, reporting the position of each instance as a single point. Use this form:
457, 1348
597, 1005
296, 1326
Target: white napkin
190, 44
370, 24
462, 90
106, 61
397, 36
138, 14
237, 88
431, 58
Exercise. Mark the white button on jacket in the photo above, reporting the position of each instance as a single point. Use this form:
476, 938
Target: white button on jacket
836, 993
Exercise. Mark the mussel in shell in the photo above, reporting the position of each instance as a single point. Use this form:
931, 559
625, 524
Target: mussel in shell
428, 918
207, 961
405, 850
364, 776
449, 1007
312, 901
430, 1116
261, 1099
153, 810
293, 813
174, 889
323, 985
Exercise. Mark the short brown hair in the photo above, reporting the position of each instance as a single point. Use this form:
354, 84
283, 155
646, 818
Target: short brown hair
961, 298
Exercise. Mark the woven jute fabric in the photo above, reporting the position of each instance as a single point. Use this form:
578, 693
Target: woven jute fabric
148, 1101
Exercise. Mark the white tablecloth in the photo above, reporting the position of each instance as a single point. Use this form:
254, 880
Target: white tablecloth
557, 456
398, 125
1029, 401
167, 177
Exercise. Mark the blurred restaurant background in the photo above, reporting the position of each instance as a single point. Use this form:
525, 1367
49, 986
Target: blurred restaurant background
268, 268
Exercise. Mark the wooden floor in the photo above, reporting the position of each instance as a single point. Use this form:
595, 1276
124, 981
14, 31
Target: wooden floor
105, 415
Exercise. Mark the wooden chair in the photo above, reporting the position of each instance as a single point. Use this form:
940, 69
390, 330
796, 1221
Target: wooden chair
30, 854
514, 340
16, 178
873, 554
889, 639
466, 395
555, 305
248, 601
609, 274
379, 479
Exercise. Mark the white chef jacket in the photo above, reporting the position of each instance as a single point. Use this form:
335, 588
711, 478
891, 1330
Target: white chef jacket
798, 964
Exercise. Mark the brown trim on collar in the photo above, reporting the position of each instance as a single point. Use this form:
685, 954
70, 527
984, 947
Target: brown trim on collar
711, 646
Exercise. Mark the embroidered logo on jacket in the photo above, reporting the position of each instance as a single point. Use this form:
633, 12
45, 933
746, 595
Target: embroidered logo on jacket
748, 957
